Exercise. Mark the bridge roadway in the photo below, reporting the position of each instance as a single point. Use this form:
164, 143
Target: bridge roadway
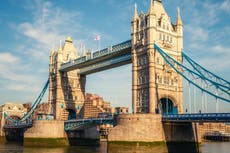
18, 126
104, 59
206, 117
79, 124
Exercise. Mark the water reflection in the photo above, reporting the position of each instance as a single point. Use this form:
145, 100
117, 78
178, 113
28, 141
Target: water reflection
113, 148
223, 147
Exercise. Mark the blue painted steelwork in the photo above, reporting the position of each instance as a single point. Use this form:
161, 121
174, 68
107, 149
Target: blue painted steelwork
86, 123
172, 62
205, 72
27, 117
111, 52
127, 58
206, 117
112, 49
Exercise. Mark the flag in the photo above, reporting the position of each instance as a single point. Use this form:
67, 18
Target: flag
97, 38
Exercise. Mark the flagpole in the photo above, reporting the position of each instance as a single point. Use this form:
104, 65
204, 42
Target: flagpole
99, 41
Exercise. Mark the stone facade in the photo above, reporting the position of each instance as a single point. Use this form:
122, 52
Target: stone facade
149, 128
46, 129
66, 89
154, 81
137, 127
121, 110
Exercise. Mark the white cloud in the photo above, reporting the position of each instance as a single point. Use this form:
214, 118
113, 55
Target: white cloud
225, 6
8, 58
13, 71
49, 25
196, 33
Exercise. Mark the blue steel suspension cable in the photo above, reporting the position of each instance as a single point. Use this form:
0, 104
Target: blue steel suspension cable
37, 101
166, 57
217, 85
194, 64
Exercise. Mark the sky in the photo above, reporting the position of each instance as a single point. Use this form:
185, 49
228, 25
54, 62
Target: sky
30, 28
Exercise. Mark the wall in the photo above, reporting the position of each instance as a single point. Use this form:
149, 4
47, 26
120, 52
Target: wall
46, 129
137, 127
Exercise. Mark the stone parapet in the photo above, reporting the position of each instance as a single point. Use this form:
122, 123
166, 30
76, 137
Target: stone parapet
138, 127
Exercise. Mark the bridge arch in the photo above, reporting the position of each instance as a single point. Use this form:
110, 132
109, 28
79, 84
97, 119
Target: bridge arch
71, 114
14, 117
167, 105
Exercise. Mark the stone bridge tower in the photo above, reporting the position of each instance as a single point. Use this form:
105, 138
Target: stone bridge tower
66, 89
156, 87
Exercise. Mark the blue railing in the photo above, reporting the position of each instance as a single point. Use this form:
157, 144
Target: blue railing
98, 54
85, 123
206, 117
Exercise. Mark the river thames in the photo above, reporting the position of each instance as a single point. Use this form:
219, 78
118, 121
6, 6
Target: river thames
214, 147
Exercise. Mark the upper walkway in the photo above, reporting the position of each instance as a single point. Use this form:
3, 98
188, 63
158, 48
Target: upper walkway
104, 59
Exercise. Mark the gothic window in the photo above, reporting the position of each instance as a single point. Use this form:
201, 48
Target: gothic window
170, 39
172, 82
137, 37
146, 21
160, 36
167, 38
163, 26
163, 37
158, 60
146, 34
143, 61
175, 79
142, 23
166, 80
160, 79
141, 35
137, 24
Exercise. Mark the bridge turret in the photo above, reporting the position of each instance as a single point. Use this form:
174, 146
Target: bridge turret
66, 89
154, 82
69, 51
52, 52
59, 55
179, 29
135, 13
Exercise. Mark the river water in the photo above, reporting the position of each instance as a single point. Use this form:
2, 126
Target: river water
217, 147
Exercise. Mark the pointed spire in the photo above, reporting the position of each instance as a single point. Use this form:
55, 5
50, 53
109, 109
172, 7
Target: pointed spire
178, 20
151, 7
135, 14
68, 39
60, 47
52, 50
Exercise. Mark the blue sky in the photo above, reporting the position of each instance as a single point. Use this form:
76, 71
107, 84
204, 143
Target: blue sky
29, 28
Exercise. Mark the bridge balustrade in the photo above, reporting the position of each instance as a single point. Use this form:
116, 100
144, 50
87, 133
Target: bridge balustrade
207, 117
85, 123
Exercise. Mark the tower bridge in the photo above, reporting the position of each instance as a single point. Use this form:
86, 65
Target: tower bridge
158, 70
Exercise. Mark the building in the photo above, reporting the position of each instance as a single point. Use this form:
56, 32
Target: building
66, 89
95, 105
121, 110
